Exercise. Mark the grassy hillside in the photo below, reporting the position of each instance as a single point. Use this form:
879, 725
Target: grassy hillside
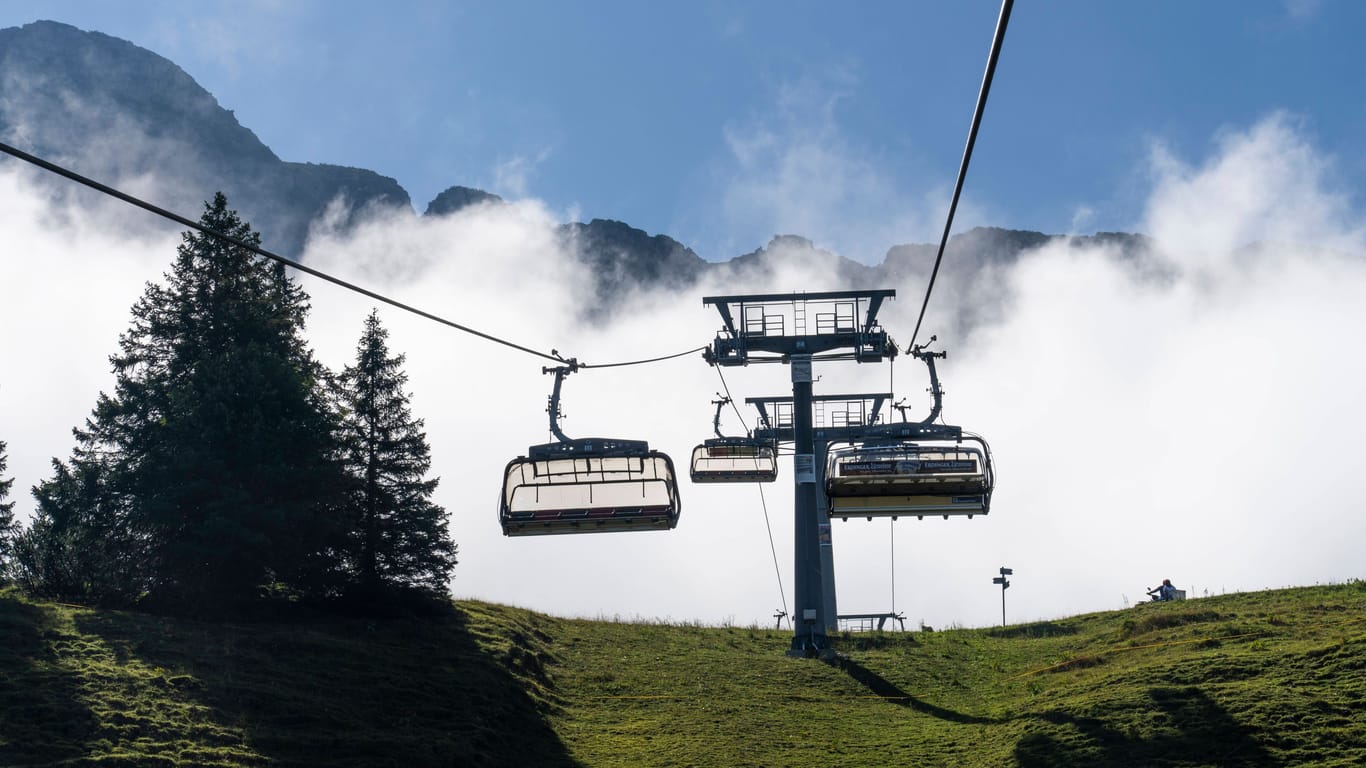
1257, 679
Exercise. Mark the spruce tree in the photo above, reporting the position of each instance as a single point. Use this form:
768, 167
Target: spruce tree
398, 537
81, 545
9, 527
215, 454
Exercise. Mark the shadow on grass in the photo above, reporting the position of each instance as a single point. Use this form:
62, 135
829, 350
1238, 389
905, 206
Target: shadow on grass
409, 692
1191, 729
1188, 728
892, 694
43, 715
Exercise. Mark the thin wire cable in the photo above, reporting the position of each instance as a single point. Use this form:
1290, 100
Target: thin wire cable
967, 154
782, 592
164, 213
258, 250
891, 536
642, 362
763, 500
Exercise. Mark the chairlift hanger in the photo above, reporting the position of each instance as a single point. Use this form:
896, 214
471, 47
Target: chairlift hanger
587, 485
725, 459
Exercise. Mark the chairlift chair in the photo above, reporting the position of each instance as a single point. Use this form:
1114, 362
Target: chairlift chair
733, 459
587, 485
891, 478
871, 480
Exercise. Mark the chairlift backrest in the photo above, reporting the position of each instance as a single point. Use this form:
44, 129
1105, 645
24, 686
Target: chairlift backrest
734, 460
896, 479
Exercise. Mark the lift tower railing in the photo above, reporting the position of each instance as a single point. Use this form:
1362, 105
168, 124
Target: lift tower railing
798, 329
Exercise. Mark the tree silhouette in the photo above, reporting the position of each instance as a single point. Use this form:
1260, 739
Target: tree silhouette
9, 527
215, 457
397, 536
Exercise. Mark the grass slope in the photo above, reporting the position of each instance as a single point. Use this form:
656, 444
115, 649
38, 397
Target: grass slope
117, 688
1259, 679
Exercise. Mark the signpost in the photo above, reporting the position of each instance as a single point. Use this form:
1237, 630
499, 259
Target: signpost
1005, 584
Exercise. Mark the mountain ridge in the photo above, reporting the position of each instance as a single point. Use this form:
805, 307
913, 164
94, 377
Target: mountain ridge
111, 110
114, 111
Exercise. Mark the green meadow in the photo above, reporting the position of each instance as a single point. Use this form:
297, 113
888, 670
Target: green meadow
1252, 679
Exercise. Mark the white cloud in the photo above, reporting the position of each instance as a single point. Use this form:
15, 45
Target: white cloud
1300, 10
512, 177
1081, 219
1266, 184
1198, 427
67, 287
1192, 428
792, 170
254, 30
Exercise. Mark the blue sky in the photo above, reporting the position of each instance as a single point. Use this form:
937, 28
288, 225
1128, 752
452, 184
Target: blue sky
722, 124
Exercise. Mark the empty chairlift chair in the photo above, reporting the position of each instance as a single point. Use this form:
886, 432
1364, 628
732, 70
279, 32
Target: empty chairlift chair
910, 479
590, 485
733, 459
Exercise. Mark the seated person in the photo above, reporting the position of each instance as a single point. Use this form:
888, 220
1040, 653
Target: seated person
1164, 592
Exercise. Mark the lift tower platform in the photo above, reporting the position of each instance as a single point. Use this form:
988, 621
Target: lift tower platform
798, 329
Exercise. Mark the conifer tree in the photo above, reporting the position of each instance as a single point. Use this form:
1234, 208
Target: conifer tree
398, 536
9, 527
81, 545
215, 455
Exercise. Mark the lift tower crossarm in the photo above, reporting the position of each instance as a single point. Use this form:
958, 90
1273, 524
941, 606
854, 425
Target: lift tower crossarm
770, 429
890, 432
773, 298
755, 327
726, 318
869, 433
874, 304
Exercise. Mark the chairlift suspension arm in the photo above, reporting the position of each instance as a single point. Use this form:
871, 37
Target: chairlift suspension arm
553, 408
921, 353
716, 421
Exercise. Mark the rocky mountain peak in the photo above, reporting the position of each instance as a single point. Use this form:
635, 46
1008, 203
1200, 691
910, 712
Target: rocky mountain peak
455, 198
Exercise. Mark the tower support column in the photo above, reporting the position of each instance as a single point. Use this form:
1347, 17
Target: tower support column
810, 622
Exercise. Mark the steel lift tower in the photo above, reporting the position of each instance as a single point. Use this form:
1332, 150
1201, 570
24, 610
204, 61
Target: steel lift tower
798, 329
